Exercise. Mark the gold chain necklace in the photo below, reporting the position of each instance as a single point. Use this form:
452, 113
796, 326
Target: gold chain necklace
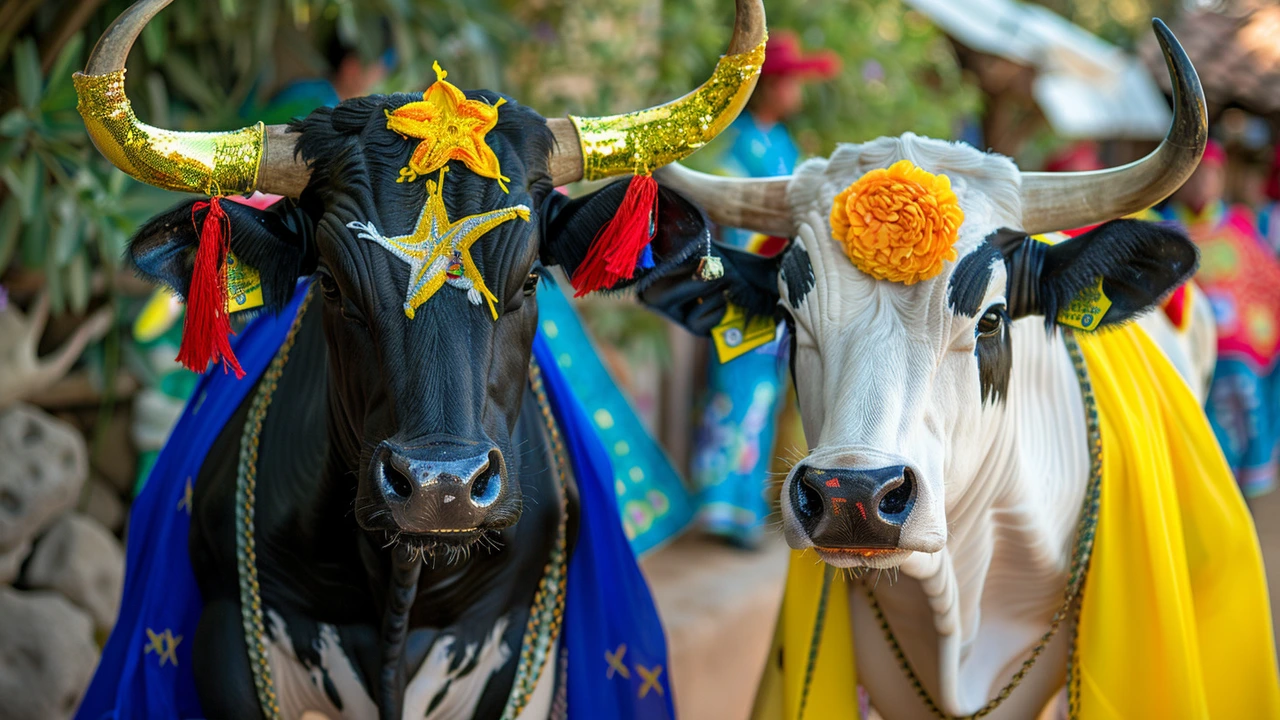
545, 615
1083, 551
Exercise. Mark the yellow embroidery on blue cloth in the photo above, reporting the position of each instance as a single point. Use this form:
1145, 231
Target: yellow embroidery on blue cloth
616, 665
164, 644
185, 502
439, 251
651, 679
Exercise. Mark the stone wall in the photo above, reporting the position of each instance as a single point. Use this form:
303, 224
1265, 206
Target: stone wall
61, 571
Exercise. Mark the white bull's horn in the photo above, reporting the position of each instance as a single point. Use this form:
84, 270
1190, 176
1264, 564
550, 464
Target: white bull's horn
1062, 201
755, 204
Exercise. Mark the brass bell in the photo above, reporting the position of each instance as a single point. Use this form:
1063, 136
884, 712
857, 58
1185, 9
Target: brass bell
710, 268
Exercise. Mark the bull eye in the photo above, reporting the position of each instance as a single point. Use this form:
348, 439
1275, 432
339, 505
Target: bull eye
991, 321
531, 283
329, 287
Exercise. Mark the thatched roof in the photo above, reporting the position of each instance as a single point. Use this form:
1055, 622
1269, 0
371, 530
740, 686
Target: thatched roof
1236, 51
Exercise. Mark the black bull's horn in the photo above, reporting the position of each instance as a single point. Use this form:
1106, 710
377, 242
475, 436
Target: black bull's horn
262, 157
1050, 201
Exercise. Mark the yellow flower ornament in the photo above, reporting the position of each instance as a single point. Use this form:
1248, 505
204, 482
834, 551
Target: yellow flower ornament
451, 127
898, 223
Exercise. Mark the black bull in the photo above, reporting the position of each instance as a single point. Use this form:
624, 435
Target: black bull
376, 409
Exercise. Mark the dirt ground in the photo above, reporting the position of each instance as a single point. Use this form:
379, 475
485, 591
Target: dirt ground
1266, 516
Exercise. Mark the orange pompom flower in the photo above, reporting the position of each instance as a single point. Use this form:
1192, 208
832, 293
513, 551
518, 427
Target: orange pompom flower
898, 224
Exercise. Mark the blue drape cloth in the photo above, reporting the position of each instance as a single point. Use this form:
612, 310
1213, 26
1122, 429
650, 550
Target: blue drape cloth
612, 633
653, 501
617, 649
145, 670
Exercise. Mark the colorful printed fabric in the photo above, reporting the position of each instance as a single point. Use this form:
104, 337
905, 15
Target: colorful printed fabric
653, 501
734, 444
1241, 279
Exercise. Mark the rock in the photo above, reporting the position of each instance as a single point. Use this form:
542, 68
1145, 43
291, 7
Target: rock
103, 503
82, 560
115, 456
45, 464
47, 655
11, 562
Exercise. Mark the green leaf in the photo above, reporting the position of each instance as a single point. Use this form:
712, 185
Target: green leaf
155, 41
65, 64
28, 184
35, 242
26, 72
53, 282
14, 123
184, 76
10, 226
78, 283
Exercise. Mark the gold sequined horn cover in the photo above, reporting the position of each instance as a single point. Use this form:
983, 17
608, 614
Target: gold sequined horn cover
211, 163
638, 143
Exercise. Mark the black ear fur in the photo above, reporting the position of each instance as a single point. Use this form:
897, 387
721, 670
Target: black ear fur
1140, 263
277, 242
682, 236
569, 226
750, 281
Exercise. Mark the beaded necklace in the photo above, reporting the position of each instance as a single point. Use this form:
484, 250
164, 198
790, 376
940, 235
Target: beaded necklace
545, 615
1083, 550
1085, 529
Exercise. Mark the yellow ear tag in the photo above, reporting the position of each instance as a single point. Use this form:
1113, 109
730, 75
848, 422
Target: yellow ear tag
1087, 309
735, 337
244, 285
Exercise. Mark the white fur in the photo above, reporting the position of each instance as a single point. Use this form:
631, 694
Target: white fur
886, 374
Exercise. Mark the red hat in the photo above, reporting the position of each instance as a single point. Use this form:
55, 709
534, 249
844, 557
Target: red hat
783, 56
1082, 155
1213, 154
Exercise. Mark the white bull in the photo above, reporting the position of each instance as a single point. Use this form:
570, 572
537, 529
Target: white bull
951, 431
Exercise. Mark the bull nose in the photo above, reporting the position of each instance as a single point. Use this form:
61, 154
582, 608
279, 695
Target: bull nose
442, 487
843, 508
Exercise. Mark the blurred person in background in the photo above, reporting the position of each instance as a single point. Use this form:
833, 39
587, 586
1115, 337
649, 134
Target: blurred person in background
1269, 213
350, 74
1242, 281
735, 441
1077, 157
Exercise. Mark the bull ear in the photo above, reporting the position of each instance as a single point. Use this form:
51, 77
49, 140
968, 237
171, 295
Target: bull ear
681, 237
1104, 277
277, 242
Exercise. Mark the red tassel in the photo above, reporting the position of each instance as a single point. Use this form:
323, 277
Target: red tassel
207, 326
616, 248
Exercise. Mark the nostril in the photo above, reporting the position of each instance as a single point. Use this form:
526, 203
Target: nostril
806, 501
488, 483
399, 483
896, 500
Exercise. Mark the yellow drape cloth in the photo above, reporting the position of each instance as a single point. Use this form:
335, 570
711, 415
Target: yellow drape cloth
1175, 621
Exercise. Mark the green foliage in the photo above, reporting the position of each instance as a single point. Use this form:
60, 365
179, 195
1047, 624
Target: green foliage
1123, 22
66, 213
899, 73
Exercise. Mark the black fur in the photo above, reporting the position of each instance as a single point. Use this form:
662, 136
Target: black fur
968, 284
278, 242
363, 375
797, 272
995, 362
1140, 264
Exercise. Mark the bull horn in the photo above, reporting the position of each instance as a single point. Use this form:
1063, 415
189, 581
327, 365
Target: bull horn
755, 204
214, 163
1062, 201
640, 142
